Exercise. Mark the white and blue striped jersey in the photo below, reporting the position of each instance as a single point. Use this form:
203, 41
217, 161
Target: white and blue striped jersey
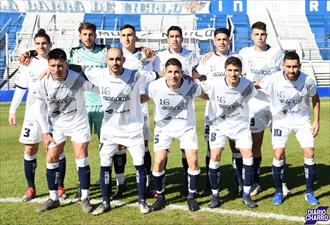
63, 101
120, 99
27, 78
187, 58
174, 109
228, 105
289, 100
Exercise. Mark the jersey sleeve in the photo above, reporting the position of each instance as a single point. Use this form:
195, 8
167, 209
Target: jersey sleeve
311, 86
22, 79
93, 74
145, 77
17, 99
156, 63
205, 86
267, 83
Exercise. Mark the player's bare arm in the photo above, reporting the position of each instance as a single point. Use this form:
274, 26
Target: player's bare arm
316, 112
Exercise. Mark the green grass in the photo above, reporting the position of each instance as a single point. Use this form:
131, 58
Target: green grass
13, 182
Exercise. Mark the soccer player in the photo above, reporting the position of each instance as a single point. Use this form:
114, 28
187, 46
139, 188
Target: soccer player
31, 134
135, 58
289, 92
229, 118
61, 111
188, 61
174, 114
260, 61
214, 68
90, 54
123, 121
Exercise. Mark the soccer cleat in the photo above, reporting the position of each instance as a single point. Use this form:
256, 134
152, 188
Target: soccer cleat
249, 202
144, 208
78, 194
256, 188
286, 190
158, 204
193, 205
86, 205
49, 204
278, 198
30, 193
120, 189
310, 197
102, 208
61, 193
214, 203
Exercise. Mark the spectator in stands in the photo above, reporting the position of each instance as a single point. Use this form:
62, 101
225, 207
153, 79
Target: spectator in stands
31, 134
259, 62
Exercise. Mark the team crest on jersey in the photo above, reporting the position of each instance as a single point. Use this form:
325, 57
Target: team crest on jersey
127, 90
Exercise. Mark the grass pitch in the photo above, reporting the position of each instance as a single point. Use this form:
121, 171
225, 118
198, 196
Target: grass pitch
13, 184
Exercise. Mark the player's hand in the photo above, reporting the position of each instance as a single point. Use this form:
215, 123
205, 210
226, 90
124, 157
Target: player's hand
48, 139
148, 52
12, 120
44, 74
205, 57
161, 73
315, 128
25, 58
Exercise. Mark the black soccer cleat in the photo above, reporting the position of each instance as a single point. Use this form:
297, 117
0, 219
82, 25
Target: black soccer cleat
249, 202
214, 203
193, 205
158, 204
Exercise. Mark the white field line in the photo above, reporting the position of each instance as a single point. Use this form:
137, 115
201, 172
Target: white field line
245, 213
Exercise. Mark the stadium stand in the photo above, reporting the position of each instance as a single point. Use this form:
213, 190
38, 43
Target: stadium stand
305, 29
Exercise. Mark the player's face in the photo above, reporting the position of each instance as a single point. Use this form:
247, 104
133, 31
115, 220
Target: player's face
221, 43
174, 40
58, 68
173, 76
233, 73
115, 61
291, 69
87, 38
127, 38
259, 38
42, 46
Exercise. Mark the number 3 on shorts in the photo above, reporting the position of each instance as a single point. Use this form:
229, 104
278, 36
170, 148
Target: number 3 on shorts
27, 132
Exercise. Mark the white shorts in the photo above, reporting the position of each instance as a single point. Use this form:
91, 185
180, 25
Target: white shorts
78, 135
303, 133
163, 139
109, 146
260, 119
146, 127
31, 132
219, 136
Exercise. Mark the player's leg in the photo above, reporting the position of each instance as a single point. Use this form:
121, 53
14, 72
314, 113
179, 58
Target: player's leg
61, 176
30, 136
306, 140
257, 139
30, 166
185, 169
119, 162
207, 187
279, 140
147, 156
161, 145
237, 162
52, 171
107, 148
135, 145
244, 144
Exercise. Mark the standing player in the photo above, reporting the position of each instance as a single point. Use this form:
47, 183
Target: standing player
123, 121
31, 134
214, 68
229, 118
90, 54
62, 113
289, 92
260, 61
174, 114
188, 61
135, 58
